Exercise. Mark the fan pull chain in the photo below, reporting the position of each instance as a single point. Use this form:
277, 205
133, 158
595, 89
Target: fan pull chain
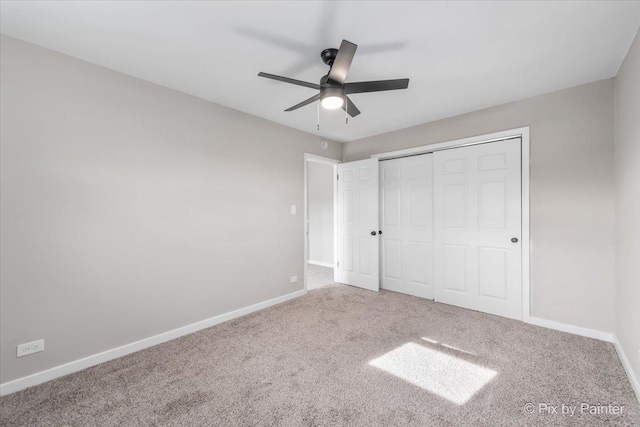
346, 113
318, 117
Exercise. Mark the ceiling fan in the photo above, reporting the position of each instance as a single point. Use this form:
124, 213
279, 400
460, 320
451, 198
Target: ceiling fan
333, 89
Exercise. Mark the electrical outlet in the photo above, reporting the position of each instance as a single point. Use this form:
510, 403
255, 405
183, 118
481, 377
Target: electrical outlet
293, 279
293, 209
30, 348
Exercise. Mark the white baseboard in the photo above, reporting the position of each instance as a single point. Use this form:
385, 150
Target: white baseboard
114, 353
320, 263
633, 379
564, 327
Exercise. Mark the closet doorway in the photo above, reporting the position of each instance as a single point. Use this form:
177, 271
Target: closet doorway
453, 223
451, 226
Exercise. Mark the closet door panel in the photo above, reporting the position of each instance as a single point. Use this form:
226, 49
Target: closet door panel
477, 227
407, 225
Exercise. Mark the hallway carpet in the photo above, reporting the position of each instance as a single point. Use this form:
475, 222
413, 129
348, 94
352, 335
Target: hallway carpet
319, 277
343, 356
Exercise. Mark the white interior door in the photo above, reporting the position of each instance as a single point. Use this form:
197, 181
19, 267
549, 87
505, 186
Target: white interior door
407, 225
358, 247
477, 227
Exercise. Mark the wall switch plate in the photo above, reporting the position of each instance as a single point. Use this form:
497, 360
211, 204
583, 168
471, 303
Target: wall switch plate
30, 348
293, 279
293, 209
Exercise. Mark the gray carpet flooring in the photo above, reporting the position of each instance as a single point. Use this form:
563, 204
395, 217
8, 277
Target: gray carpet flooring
343, 356
319, 277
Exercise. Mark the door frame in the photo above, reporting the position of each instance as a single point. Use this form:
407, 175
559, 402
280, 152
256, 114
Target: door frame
523, 134
305, 231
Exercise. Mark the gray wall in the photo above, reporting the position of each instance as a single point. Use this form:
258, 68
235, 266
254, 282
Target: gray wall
129, 209
120, 198
627, 165
320, 202
572, 193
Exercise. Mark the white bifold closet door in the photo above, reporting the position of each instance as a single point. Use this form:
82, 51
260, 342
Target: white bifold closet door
358, 246
406, 225
477, 227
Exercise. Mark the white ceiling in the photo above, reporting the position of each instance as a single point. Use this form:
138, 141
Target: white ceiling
460, 56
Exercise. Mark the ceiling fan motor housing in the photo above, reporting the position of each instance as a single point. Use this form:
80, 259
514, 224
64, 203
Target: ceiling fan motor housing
325, 82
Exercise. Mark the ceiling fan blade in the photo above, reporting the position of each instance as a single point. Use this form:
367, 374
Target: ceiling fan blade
288, 80
376, 86
350, 108
305, 102
341, 64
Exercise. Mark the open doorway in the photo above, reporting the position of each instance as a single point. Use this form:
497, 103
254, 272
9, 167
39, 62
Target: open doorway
320, 221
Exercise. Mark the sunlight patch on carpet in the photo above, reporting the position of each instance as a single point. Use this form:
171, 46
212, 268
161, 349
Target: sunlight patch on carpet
449, 377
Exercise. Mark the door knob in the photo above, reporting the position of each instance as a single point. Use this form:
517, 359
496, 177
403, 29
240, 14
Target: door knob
514, 239
379, 231
373, 233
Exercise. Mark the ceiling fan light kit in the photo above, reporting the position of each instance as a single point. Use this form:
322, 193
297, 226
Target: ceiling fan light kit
333, 90
332, 98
